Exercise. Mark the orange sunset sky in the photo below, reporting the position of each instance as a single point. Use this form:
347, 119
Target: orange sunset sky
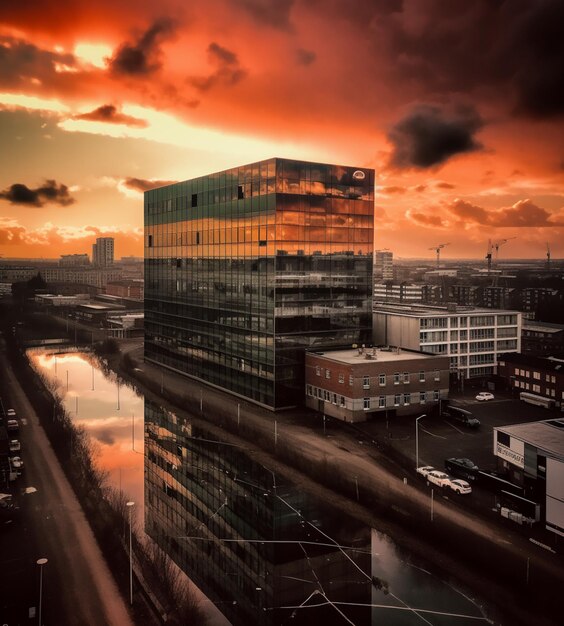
458, 105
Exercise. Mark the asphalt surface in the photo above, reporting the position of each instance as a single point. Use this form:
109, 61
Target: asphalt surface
77, 586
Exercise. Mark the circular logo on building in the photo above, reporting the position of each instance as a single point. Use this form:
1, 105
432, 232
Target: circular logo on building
359, 175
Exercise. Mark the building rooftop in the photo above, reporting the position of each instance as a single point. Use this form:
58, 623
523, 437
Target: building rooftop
422, 310
530, 361
379, 354
544, 327
548, 435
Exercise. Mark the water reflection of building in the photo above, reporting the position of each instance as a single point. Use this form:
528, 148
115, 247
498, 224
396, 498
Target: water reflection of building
247, 267
253, 544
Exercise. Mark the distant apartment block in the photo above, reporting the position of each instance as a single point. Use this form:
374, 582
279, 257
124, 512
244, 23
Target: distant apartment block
103, 252
358, 384
400, 292
383, 265
80, 275
126, 289
472, 338
542, 338
71, 260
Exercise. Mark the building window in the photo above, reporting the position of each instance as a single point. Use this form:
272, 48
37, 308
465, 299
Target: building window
422, 397
327, 373
327, 395
382, 380
342, 400
366, 382
547, 378
382, 402
309, 390
150, 241
396, 378
397, 399
437, 375
317, 370
194, 200
366, 403
536, 388
553, 380
536, 375
405, 378
407, 398
334, 398
342, 379
436, 395
421, 377
351, 380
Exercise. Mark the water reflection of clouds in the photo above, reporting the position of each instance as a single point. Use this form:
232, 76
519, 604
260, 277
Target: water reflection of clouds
118, 433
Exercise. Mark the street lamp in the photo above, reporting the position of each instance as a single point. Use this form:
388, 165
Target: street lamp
417, 440
129, 505
41, 563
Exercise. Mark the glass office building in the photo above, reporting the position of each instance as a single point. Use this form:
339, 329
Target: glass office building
246, 268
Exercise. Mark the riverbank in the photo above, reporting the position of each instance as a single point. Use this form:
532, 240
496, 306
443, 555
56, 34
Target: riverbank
518, 579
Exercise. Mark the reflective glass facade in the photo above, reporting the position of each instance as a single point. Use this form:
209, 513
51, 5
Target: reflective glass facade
247, 267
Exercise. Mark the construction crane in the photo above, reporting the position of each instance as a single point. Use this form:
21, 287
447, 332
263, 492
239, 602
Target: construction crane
547, 256
498, 244
489, 256
438, 249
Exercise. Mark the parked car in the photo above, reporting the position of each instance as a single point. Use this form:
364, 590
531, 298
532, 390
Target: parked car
438, 478
10, 413
424, 470
459, 486
462, 468
13, 426
17, 463
461, 415
484, 395
14, 445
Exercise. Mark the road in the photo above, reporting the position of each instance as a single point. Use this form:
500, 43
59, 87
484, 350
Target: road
78, 587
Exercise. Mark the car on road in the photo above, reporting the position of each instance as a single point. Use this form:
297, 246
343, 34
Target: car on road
436, 477
424, 470
459, 486
463, 416
14, 445
13, 426
483, 396
10, 413
462, 468
17, 463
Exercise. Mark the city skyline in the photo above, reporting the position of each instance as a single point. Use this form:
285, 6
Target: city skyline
458, 107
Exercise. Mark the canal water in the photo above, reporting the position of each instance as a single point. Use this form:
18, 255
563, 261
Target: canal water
260, 548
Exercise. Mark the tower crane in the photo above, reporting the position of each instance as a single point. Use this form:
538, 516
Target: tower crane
438, 249
489, 256
498, 244
547, 256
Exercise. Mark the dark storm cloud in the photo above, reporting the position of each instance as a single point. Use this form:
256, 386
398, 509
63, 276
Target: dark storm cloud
21, 60
228, 72
305, 57
270, 13
142, 184
142, 57
429, 136
49, 192
514, 47
109, 113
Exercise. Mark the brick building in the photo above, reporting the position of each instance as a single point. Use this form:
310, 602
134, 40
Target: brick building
356, 384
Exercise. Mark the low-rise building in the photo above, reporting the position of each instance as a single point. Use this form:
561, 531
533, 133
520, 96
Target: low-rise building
542, 338
540, 376
532, 454
357, 384
126, 289
472, 338
400, 292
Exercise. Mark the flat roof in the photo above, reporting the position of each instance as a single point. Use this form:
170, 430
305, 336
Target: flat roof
382, 355
548, 435
421, 310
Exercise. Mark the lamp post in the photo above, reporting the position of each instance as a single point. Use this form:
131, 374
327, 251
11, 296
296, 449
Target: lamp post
417, 440
41, 563
129, 505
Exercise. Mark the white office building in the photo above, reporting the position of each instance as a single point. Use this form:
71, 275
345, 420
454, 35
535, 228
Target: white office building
383, 265
472, 338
